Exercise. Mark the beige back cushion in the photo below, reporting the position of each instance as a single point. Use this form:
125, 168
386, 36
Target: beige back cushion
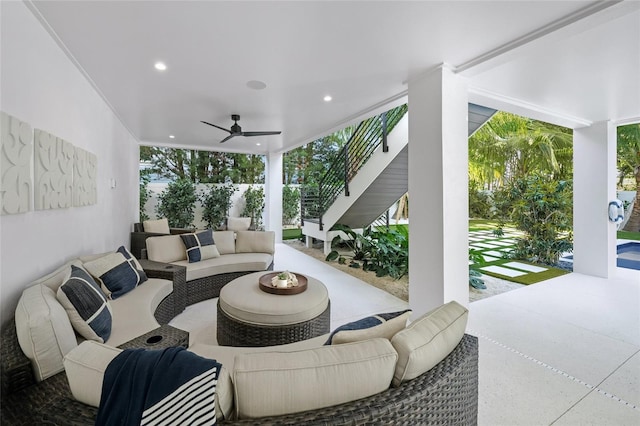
276, 383
86, 364
167, 248
160, 226
44, 331
238, 223
256, 242
386, 330
428, 340
225, 241
55, 279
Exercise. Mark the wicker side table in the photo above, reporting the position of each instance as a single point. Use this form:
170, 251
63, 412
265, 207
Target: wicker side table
175, 273
160, 338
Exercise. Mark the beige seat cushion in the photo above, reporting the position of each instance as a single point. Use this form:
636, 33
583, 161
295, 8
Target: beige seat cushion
242, 299
255, 242
276, 383
160, 226
241, 262
238, 223
428, 340
133, 313
85, 366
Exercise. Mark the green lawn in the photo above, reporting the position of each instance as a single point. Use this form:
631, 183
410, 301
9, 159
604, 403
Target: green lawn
291, 234
626, 235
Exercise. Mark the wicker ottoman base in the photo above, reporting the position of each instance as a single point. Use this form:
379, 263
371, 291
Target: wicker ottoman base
232, 332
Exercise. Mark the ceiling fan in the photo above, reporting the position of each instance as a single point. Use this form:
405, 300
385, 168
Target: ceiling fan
236, 130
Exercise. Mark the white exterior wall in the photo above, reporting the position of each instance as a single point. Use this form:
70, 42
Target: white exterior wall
273, 195
438, 189
594, 185
41, 86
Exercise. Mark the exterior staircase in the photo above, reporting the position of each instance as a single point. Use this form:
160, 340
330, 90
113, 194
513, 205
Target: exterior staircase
369, 175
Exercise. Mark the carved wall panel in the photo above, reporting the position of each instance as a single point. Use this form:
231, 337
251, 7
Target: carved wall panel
85, 168
16, 147
53, 171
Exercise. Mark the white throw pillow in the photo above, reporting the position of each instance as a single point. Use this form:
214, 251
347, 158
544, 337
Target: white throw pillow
160, 226
238, 223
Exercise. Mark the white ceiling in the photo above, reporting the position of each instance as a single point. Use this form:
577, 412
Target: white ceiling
578, 61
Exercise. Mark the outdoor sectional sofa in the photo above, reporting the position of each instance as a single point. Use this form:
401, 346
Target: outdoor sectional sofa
445, 394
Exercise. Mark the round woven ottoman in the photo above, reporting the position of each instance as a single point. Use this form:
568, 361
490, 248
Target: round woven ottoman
248, 316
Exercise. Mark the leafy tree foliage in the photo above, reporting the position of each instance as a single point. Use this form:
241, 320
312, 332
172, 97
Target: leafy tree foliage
216, 202
254, 205
629, 164
308, 163
203, 166
145, 194
543, 209
290, 204
177, 203
510, 147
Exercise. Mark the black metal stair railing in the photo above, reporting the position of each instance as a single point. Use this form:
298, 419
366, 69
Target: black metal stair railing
315, 200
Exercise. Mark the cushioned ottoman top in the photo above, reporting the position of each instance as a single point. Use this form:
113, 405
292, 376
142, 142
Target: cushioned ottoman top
242, 299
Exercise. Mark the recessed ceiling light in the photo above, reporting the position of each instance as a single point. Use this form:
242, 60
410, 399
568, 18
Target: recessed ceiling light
256, 84
171, 137
160, 66
258, 144
327, 98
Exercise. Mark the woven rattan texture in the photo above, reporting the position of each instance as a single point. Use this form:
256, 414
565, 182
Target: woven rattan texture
445, 395
171, 337
209, 287
16, 367
175, 273
232, 332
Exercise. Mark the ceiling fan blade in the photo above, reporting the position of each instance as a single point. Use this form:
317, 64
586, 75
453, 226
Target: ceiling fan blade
228, 137
217, 127
260, 133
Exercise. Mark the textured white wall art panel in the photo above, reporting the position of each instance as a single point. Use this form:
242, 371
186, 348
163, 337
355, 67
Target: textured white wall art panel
84, 178
53, 171
16, 141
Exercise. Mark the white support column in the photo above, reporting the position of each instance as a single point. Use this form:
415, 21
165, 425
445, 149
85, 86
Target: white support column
273, 195
438, 190
594, 185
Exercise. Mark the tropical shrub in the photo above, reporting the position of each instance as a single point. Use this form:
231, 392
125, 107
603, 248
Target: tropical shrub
475, 275
479, 202
290, 204
385, 252
216, 202
145, 194
177, 203
543, 209
254, 205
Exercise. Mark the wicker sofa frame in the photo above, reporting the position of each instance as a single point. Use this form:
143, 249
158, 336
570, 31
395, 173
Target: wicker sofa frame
445, 395
16, 371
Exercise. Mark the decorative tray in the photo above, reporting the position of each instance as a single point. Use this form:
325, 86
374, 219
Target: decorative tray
265, 284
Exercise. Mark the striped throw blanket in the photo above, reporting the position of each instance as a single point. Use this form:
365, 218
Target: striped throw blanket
162, 387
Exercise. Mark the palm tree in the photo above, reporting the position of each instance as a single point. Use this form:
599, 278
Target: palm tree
509, 147
629, 164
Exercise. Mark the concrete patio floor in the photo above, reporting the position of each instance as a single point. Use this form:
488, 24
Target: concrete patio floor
565, 351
